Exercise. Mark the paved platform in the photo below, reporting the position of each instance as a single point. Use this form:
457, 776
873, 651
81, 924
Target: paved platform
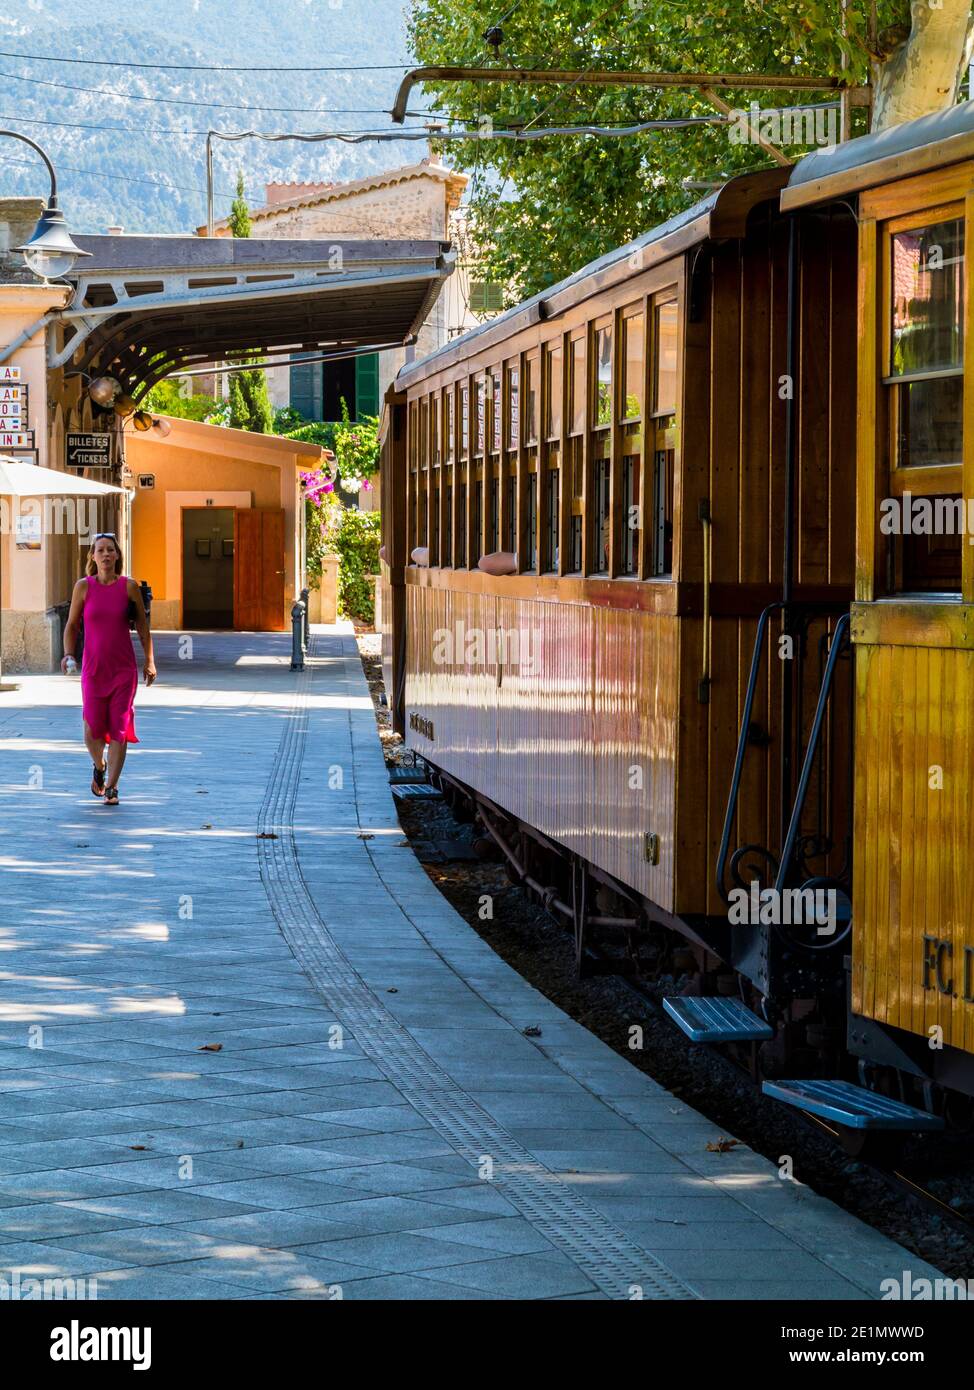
248, 1051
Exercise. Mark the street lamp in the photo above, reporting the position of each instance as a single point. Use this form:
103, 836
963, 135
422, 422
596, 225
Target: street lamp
50, 252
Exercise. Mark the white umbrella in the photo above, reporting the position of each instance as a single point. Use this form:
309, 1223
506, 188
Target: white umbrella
19, 479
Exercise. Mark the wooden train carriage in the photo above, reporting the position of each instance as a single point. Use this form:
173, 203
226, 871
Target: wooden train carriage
913, 620
626, 445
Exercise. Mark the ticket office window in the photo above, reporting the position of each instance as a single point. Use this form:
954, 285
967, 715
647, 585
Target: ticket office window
920, 496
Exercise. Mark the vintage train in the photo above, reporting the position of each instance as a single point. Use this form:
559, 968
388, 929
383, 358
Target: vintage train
676, 600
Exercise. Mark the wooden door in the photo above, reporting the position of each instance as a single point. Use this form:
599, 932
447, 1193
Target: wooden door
258, 570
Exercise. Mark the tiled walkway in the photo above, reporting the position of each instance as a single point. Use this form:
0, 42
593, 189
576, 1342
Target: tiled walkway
248, 1051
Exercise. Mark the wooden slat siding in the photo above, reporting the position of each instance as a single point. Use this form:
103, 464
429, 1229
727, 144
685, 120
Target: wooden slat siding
694, 866
843, 365
967, 555
913, 712
726, 500
812, 422
606, 679
866, 395
758, 385
758, 390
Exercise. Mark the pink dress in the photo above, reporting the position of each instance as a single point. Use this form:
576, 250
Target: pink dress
109, 674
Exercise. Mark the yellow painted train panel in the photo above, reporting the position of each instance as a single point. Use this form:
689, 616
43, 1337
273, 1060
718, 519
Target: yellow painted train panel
913, 909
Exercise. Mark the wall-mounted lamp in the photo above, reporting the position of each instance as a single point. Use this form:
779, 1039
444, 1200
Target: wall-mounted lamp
104, 391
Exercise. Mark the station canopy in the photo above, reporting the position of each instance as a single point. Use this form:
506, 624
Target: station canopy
146, 307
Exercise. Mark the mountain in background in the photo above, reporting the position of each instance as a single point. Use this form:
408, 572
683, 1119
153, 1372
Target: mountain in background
146, 172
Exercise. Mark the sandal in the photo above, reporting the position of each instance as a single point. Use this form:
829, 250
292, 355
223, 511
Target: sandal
98, 781
111, 796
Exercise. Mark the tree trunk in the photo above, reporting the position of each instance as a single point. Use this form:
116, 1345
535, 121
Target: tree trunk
924, 73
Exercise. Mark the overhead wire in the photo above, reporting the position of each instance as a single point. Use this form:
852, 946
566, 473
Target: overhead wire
200, 67
209, 105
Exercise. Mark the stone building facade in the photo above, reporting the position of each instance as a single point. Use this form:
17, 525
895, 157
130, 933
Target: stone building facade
418, 201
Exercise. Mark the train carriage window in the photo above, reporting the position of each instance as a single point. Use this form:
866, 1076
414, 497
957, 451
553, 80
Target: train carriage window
553, 392
633, 334
513, 407
531, 398
577, 386
662, 515
481, 407
476, 523
434, 557
423, 431
630, 514
448, 523
435, 425
602, 412
666, 348
494, 515
551, 517
511, 537
600, 519
923, 380
462, 525
532, 520
465, 421
496, 411
575, 480
926, 341
451, 423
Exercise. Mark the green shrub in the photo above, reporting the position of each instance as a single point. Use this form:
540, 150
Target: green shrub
356, 541
315, 432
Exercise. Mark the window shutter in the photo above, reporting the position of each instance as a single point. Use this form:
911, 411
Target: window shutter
306, 388
367, 385
486, 297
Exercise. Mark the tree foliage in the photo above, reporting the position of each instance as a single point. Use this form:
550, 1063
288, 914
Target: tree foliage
239, 220
167, 398
250, 405
540, 209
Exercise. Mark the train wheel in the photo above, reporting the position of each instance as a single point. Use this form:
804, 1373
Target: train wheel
879, 1147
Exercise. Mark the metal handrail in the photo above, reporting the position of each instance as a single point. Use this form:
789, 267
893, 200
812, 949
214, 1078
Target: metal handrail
788, 849
735, 786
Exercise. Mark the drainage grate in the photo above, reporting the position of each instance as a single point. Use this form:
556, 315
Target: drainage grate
606, 1255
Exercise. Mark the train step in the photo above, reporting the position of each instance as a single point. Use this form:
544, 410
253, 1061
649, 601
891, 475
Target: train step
404, 790
851, 1106
716, 1020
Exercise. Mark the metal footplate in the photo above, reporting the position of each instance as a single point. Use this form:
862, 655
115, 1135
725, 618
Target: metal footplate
846, 1104
716, 1020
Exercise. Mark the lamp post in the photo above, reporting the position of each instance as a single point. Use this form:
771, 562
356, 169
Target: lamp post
50, 252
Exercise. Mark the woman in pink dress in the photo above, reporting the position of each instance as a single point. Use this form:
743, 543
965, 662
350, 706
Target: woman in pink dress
109, 674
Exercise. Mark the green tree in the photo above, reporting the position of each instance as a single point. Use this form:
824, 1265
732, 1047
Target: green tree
239, 219
540, 209
250, 406
166, 398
